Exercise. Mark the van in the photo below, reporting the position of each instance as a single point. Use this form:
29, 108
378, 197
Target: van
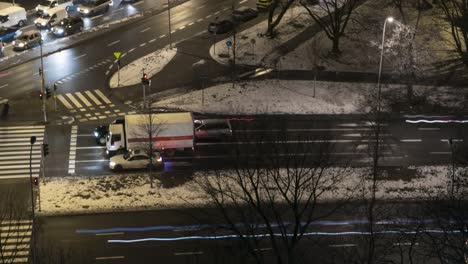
94, 7
212, 129
13, 16
45, 5
51, 18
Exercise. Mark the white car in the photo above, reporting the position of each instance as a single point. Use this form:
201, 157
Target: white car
135, 159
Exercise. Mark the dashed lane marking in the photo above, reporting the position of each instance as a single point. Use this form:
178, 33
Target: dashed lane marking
144, 30
113, 43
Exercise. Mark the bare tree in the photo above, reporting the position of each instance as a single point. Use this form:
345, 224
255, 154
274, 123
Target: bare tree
455, 12
15, 228
280, 6
332, 16
272, 196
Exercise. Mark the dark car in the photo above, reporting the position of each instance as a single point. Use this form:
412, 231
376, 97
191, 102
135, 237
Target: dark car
220, 27
8, 34
212, 129
244, 14
68, 26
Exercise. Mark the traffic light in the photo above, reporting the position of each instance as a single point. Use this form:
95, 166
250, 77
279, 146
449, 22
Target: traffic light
41, 95
144, 79
36, 181
45, 149
40, 71
48, 93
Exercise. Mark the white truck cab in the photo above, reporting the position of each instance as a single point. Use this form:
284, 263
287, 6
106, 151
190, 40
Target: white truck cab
115, 140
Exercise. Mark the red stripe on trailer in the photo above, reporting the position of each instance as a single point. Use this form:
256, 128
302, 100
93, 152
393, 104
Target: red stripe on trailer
161, 139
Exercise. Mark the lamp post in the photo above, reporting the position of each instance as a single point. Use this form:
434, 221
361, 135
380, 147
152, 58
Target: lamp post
169, 20
32, 141
390, 20
41, 73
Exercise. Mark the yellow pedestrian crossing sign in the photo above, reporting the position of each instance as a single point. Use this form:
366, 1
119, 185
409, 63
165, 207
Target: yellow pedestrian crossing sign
117, 54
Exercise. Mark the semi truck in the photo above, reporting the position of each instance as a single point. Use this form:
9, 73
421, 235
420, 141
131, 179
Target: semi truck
170, 133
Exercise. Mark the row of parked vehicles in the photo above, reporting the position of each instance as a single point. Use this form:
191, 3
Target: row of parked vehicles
128, 140
53, 15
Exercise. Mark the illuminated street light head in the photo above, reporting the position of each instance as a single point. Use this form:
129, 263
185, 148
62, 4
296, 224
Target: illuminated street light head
390, 19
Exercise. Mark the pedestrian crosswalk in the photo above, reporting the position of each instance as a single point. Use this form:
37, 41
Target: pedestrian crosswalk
15, 240
90, 105
15, 147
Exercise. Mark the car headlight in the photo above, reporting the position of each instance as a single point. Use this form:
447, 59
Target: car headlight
43, 23
21, 44
112, 164
78, 9
86, 11
159, 159
37, 8
14, 42
35, 21
96, 134
111, 3
60, 31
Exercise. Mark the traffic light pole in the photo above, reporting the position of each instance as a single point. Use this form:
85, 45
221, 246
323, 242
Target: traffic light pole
44, 96
169, 19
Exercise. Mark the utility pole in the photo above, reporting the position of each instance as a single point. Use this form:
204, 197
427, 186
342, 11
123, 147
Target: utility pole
41, 73
33, 244
169, 20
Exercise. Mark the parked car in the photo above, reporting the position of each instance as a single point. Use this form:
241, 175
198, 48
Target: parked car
27, 40
68, 26
51, 18
244, 14
44, 6
220, 27
13, 16
94, 7
135, 159
212, 129
9, 33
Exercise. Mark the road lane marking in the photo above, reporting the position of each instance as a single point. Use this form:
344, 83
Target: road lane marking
83, 99
3, 86
208, 16
97, 16
142, 44
113, 43
91, 161
411, 140
200, 20
190, 24
440, 153
182, 27
110, 234
352, 135
217, 12
428, 128
188, 253
78, 57
343, 245
162, 36
73, 100
243, 1
111, 257
453, 140
72, 155
64, 102
102, 96
405, 244
262, 249
144, 30
93, 147
131, 50
139, 3
93, 98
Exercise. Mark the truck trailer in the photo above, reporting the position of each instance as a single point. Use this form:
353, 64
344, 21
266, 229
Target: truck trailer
170, 133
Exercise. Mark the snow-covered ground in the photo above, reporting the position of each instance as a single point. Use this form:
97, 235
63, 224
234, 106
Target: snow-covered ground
297, 97
150, 64
133, 192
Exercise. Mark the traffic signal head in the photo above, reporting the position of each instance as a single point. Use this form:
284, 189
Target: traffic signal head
144, 79
36, 181
41, 95
48, 93
45, 149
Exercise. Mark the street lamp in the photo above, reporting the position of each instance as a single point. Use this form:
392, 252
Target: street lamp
389, 20
32, 141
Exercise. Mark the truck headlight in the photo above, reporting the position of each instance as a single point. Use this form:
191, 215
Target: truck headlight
112, 164
96, 134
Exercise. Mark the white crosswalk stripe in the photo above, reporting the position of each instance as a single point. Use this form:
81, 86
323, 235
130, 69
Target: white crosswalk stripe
15, 151
89, 105
15, 240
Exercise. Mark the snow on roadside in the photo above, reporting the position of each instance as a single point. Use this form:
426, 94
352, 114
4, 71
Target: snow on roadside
151, 64
272, 97
133, 192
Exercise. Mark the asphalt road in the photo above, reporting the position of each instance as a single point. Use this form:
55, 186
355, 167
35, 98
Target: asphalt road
197, 235
341, 139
